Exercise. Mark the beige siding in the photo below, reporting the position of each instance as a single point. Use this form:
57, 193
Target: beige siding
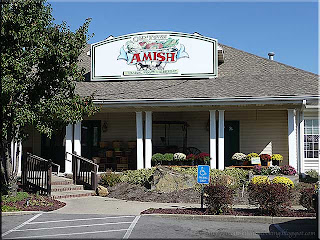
121, 126
262, 131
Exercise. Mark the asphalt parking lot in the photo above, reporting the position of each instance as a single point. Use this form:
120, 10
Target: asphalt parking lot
71, 226
53, 225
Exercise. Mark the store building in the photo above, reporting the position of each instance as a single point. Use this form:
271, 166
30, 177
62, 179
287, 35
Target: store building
169, 92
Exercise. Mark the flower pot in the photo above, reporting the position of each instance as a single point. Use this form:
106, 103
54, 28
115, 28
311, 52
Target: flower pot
275, 162
246, 163
239, 163
264, 163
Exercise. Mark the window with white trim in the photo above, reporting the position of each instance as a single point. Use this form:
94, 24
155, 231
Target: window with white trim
311, 138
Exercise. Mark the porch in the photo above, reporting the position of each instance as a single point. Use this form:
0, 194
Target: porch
121, 140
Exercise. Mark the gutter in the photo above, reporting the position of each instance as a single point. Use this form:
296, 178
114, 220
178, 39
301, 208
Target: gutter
206, 101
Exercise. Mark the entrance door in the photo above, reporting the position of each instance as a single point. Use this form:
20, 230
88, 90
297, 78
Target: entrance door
231, 140
90, 138
53, 148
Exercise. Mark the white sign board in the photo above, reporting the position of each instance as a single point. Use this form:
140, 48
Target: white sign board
154, 55
255, 160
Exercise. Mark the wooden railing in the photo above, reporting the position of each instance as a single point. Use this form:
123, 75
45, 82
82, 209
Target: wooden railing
36, 174
84, 171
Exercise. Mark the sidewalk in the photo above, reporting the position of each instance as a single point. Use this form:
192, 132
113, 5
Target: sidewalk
112, 206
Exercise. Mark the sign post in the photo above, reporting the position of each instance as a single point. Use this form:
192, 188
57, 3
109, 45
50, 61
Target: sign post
203, 178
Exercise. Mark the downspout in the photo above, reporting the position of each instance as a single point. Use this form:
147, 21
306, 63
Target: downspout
301, 137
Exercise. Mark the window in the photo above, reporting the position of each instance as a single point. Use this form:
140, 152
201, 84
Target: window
311, 138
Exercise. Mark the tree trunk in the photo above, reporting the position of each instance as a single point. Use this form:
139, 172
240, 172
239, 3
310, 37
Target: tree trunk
8, 173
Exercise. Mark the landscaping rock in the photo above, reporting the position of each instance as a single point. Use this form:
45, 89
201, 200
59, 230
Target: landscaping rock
102, 191
166, 180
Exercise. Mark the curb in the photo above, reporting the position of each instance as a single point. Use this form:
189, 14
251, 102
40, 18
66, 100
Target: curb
20, 213
231, 218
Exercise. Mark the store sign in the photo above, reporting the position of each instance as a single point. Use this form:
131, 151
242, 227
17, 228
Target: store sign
154, 55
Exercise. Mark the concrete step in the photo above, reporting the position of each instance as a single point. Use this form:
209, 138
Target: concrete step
63, 188
55, 180
72, 194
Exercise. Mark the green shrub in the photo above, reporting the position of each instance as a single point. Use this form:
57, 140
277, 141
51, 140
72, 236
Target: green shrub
142, 176
313, 173
110, 179
241, 176
237, 176
158, 157
7, 208
186, 170
19, 197
168, 157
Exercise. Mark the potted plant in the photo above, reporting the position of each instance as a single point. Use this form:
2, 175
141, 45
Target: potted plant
190, 159
265, 159
276, 159
179, 158
203, 158
239, 158
168, 158
157, 159
251, 155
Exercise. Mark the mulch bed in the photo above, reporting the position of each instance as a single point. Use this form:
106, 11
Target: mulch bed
236, 212
35, 203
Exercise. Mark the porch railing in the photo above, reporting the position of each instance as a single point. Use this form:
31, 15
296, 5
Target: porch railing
36, 174
84, 171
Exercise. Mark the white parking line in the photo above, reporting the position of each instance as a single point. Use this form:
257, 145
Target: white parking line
127, 235
89, 225
69, 234
21, 225
80, 219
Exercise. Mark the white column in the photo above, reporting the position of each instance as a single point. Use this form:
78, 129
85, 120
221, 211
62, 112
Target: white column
221, 141
77, 138
213, 139
139, 140
301, 137
148, 140
68, 161
292, 138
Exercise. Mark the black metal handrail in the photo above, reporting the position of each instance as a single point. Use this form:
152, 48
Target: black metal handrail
84, 171
36, 174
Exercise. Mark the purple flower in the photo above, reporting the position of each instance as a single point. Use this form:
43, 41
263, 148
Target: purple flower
288, 170
257, 169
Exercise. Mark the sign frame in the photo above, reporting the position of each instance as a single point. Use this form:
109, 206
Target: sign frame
206, 169
214, 74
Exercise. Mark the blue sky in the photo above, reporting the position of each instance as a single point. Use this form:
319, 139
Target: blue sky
290, 29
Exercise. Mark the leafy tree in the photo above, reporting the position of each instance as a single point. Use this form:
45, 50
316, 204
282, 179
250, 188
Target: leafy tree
38, 74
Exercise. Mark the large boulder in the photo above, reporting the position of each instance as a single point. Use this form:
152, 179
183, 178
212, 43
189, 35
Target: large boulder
166, 180
102, 191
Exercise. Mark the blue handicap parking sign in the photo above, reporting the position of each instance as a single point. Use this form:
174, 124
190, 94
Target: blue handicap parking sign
203, 174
